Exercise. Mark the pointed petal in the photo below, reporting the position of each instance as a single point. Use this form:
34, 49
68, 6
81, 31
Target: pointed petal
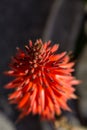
42, 99
69, 65
34, 108
24, 100
54, 48
33, 96
14, 95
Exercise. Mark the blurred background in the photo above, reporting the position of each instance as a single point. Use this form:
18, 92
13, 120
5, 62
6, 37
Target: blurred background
61, 21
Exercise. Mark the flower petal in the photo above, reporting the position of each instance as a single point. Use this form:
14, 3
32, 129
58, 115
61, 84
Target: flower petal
24, 100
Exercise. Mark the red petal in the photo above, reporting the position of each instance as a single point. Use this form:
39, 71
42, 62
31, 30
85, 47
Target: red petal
24, 100
46, 44
57, 56
10, 72
34, 108
54, 48
30, 43
14, 95
69, 65
33, 96
42, 99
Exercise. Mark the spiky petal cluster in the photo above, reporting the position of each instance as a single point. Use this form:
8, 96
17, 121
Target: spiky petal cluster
43, 80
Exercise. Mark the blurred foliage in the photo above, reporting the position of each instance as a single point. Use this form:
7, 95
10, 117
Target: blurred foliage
63, 124
85, 1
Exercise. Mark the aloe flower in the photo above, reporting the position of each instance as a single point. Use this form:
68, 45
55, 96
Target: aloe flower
43, 80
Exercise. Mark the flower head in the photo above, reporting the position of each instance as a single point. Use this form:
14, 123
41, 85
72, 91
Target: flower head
43, 80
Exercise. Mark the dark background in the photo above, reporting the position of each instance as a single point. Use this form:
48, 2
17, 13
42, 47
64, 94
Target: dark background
61, 21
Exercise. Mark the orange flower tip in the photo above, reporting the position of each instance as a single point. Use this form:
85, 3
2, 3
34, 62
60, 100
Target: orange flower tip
49, 42
26, 71
9, 72
30, 43
27, 48
10, 96
54, 48
8, 86
73, 96
17, 48
76, 82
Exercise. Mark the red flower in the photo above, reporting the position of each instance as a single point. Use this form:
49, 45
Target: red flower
43, 80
